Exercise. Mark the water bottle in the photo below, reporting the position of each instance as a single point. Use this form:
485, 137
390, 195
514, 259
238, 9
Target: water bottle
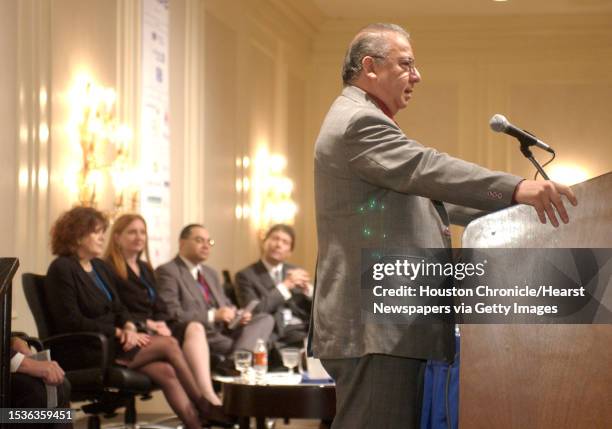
260, 361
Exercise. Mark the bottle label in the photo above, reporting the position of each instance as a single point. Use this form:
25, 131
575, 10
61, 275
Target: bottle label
260, 359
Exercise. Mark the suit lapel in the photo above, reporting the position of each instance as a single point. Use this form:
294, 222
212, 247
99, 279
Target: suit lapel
218, 295
92, 287
146, 273
264, 275
189, 283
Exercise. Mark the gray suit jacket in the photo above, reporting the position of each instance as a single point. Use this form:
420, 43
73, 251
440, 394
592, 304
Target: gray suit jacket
376, 188
182, 295
254, 282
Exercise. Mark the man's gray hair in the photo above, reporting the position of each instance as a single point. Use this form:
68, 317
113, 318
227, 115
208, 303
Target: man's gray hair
369, 41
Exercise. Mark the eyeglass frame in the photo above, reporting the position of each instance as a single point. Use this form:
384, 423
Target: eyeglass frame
200, 240
408, 63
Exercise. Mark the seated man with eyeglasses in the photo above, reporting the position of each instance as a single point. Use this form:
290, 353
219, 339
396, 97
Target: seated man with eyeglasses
192, 291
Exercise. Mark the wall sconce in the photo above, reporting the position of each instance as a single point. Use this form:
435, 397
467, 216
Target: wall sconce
263, 183
105, 146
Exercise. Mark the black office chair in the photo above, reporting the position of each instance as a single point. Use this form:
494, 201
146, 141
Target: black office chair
104, 386
31, 341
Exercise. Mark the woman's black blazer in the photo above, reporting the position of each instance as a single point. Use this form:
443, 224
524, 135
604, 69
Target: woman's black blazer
76, 304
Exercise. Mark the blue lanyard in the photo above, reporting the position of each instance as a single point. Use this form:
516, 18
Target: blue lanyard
101, 285
150, 289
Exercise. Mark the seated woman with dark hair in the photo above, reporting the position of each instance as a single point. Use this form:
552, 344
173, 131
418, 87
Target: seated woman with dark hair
136, 286
82, 297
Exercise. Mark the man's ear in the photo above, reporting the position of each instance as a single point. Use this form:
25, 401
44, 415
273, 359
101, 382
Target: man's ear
367, 65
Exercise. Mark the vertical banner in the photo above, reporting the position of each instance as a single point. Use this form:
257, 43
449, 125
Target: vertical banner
155, 138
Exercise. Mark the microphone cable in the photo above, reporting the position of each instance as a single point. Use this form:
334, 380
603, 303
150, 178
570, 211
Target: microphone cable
537, 173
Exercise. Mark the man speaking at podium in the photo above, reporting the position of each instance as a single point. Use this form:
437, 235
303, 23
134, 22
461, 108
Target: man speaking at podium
376, 188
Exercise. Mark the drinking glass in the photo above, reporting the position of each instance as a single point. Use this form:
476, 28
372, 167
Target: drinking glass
242, 362
291, 358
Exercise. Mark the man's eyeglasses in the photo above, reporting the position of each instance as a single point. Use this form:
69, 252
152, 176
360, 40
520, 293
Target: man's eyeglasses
200, 240
407, 64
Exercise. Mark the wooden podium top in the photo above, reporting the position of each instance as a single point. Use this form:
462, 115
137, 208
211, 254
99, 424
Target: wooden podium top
539, 376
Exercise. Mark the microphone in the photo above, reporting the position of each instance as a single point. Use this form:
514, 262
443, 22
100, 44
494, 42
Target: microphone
500, 124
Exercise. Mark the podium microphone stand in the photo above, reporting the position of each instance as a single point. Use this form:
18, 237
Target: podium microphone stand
525, 143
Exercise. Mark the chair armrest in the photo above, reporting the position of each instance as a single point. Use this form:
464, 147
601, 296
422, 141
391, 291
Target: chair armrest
32, 341
80, 339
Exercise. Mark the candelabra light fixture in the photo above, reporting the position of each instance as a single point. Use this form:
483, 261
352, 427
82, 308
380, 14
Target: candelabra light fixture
265, 192
105, 147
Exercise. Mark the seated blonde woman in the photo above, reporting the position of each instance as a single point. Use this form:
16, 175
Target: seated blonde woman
128, 254
81, 296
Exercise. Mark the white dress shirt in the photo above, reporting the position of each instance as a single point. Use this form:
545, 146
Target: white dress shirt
276, 273
16, 361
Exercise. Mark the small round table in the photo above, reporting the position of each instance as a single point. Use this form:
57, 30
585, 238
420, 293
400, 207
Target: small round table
304, 401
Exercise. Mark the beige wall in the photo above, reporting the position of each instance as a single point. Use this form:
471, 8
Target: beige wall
8, 125
548, 74
251, 80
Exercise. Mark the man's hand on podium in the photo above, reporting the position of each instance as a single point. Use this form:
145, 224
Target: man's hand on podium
543, 195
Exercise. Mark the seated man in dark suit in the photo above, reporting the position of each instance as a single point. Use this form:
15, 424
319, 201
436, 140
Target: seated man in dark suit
191, 291
28, 380
284, 290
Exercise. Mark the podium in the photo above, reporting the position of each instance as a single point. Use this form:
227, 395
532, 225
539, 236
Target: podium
539, 376
8, 268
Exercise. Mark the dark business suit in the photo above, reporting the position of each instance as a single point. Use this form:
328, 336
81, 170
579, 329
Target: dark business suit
254, 282
377, 189
28, 391
135, 295
185, 302
76, 304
